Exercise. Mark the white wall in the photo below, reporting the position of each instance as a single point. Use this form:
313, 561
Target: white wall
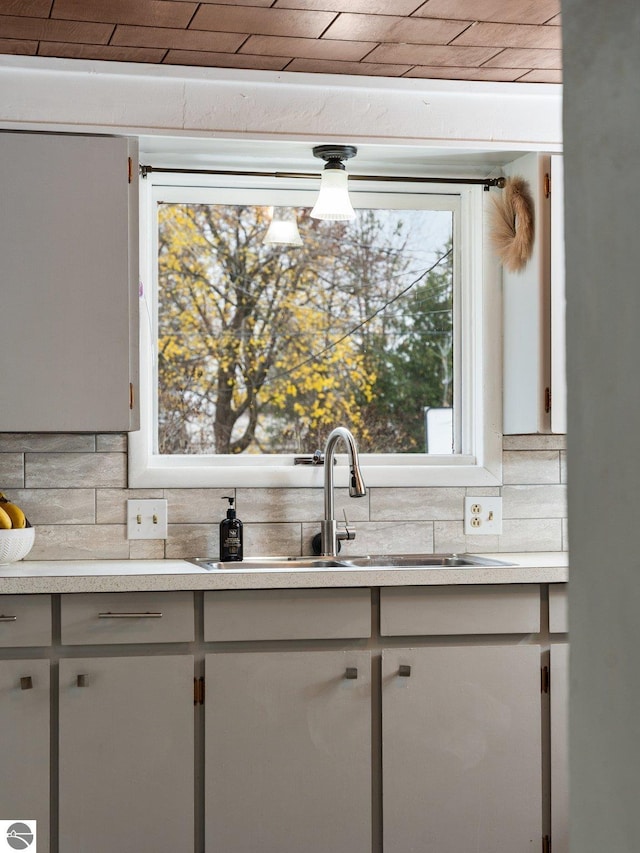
602, 181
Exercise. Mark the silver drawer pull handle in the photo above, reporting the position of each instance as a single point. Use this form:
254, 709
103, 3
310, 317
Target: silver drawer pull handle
26, 682
404, 671
351, 672
129, 615
8, 618
82, 680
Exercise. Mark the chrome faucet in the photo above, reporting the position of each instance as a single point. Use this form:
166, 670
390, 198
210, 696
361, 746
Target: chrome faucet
329, 530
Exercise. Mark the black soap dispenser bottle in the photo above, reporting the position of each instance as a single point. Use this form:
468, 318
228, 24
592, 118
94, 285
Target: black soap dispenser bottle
230, 535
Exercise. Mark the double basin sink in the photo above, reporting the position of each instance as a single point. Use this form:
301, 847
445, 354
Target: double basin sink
376, 561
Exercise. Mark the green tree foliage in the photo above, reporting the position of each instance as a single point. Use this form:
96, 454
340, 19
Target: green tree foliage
265, 349
414, 359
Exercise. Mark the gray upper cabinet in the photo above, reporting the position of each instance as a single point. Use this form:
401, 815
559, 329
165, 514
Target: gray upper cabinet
68, 283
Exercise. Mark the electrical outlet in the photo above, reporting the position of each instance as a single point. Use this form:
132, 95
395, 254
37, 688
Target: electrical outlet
483, 515
147, 519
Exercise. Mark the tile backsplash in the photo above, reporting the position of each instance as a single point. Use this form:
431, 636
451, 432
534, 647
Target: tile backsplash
73, 489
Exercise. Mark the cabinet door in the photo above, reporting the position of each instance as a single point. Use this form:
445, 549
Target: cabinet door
288, 744
559, 695
461, 749
126, 754
558, 300
69, 282
24, 743
534, 310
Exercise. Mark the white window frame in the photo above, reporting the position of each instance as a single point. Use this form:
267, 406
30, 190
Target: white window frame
477, 381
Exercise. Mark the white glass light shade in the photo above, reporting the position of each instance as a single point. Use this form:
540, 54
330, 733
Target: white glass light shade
283, 229
333, 200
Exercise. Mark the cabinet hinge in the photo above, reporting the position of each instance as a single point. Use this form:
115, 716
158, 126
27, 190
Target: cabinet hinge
198, 691
545, 679
547, 400
129, 169
547, 185
131, 395
546, 844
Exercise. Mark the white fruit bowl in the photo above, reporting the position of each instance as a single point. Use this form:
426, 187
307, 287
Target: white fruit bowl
16, 544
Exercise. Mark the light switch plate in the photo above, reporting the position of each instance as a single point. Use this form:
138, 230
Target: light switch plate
147, 519
482, 516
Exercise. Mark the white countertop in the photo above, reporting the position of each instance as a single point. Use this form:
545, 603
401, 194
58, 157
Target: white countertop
48, 576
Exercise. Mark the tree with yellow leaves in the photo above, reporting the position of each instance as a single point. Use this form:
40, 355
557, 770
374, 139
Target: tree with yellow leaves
235, 316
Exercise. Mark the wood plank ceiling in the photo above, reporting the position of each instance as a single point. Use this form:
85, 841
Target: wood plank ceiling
497, 40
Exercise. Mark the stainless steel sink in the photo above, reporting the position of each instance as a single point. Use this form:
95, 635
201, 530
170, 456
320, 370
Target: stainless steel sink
375, 561
276, 564
423, 561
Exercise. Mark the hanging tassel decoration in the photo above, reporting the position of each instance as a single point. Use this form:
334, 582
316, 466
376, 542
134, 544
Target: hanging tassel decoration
513, 224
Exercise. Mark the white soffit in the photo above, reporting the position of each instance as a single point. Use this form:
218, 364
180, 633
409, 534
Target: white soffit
400, 126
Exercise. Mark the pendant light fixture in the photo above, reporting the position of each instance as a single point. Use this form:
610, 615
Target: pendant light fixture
283, 229
333, 200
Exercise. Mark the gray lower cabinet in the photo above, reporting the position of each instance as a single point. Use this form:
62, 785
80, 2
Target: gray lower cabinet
317, 733
126, 753
25, 743
559, 716
25, 701
462, 720
461, 749
288, 752
559, 698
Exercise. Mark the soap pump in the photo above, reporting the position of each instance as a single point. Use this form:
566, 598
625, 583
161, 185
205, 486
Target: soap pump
230, 535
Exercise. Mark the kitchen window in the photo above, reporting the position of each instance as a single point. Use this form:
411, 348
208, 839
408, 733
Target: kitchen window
251, 353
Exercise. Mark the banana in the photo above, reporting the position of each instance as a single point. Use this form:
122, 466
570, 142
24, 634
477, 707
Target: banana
5, 520
16, 516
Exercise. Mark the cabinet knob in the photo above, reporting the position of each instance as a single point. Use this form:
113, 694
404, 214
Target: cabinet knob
404, 671
351, 672
26, 682
82, 680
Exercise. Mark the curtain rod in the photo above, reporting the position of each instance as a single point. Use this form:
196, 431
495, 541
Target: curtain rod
485, 182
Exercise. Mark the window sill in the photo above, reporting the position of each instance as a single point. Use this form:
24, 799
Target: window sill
279, 472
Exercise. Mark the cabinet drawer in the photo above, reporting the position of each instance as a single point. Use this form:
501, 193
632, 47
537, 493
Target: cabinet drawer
25, 620
460, 610
558, 608
127, 617
292, 614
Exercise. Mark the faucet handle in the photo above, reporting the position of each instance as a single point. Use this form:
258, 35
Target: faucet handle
316, 459
348, 533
